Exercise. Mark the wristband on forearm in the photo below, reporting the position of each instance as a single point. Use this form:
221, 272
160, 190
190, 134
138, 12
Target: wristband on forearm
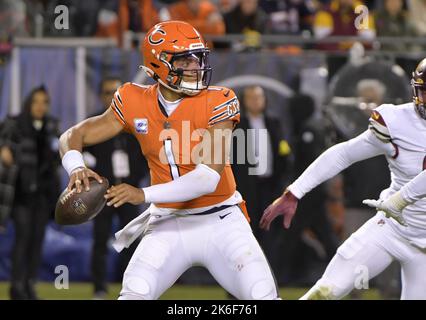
72, 160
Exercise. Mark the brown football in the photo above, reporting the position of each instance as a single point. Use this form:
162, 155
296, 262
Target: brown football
76, 208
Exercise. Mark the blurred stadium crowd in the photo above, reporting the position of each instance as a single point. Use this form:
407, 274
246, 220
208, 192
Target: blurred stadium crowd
330, 102
317, 18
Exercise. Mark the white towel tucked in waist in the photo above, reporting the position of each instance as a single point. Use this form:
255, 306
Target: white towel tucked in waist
133, 230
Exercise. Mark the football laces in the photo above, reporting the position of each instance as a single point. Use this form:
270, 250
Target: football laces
67, 196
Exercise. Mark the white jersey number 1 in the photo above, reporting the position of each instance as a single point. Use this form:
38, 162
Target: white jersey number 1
174, 169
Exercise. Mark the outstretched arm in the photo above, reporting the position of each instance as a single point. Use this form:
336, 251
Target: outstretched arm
326, 166
336, 159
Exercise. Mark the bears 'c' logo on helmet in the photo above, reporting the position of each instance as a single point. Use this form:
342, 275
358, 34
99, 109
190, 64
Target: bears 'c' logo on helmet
159, 39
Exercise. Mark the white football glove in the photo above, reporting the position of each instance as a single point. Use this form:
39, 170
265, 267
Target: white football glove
392, 206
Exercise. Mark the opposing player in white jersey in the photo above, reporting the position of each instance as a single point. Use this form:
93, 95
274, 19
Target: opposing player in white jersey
399, 133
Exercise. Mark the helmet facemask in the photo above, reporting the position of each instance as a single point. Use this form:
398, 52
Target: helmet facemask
183, 77
419, 97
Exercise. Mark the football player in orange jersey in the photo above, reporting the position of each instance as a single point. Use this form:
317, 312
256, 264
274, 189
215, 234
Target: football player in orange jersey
184, 127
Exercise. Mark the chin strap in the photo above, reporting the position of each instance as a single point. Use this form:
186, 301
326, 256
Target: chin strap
188, 88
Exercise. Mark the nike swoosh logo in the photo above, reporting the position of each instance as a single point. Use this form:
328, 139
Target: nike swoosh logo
224, 216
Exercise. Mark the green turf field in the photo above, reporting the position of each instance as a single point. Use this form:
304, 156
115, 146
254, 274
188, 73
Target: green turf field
83, 291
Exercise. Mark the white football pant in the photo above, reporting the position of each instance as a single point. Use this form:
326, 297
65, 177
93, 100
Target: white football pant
222, 242
365, 254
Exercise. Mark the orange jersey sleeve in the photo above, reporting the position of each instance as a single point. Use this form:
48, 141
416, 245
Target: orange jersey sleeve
118, 107
224, 106
123, 104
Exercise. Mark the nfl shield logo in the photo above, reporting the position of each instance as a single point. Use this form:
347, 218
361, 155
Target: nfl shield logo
141, 125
